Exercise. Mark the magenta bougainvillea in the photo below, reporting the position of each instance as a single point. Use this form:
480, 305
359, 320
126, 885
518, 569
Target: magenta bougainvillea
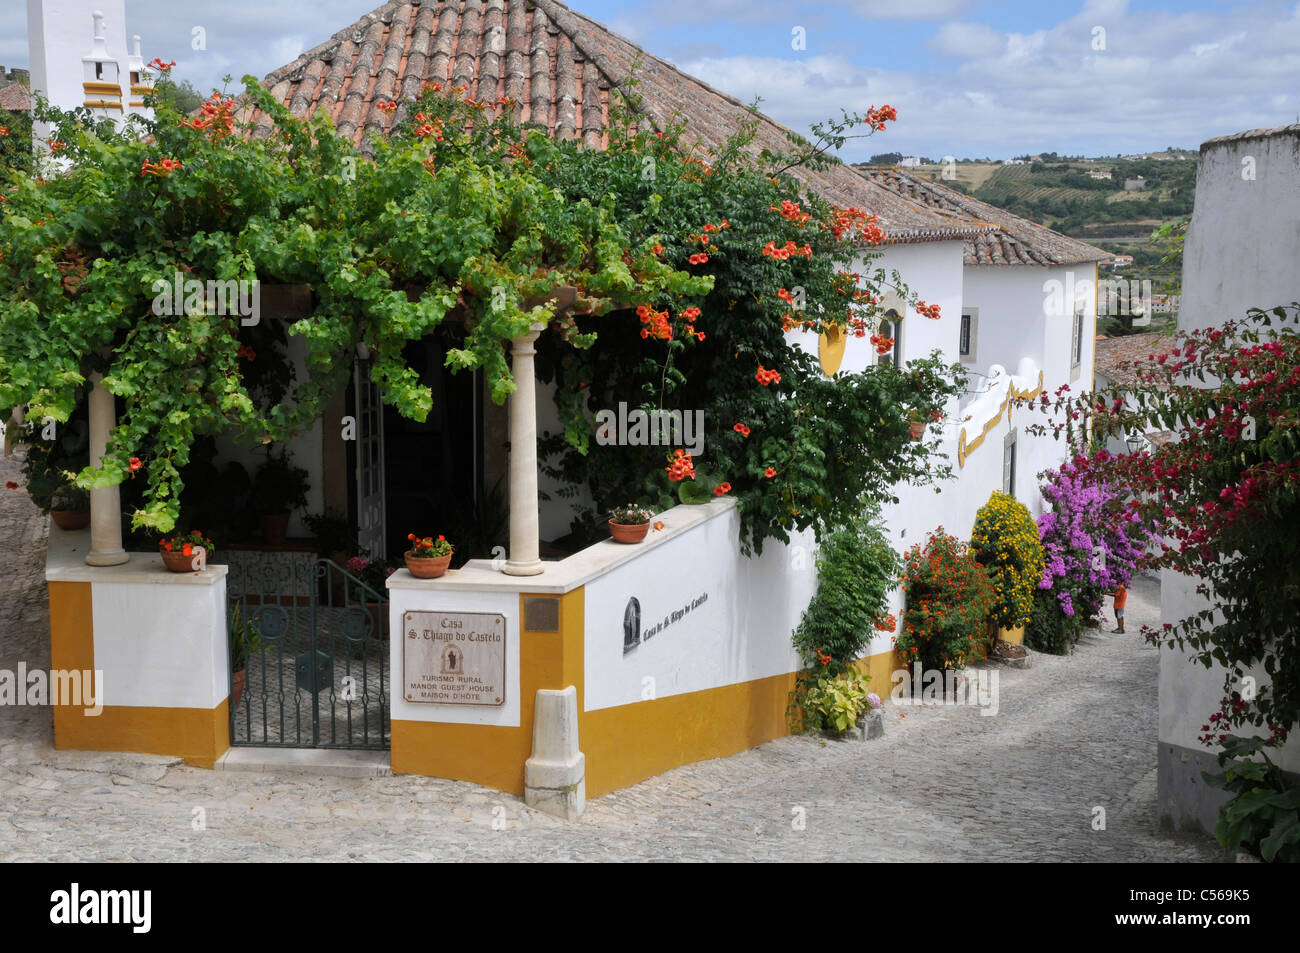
1092, 541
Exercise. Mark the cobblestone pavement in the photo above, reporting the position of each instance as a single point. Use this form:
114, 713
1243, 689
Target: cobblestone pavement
944, 784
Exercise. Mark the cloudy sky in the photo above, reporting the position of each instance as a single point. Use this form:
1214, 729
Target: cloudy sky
968, 77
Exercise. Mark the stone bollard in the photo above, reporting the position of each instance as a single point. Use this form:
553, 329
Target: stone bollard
555, 777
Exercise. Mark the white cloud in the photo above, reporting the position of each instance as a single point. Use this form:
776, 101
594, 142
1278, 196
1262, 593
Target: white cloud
1049, 89
968, 41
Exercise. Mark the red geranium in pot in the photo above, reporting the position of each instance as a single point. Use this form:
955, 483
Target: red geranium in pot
428, 558
185, 552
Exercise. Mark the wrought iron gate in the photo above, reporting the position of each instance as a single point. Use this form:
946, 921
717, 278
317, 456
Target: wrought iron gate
314, 642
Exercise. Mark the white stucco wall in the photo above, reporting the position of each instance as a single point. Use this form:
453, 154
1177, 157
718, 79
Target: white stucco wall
1244, 238
708, 615
1240, 252
159, 637
1015, 338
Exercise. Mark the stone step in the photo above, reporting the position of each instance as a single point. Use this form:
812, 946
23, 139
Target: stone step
331, 762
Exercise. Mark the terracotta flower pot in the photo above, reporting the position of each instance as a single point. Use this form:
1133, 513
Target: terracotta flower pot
67, 519
177, 561
426, 567
628, 532
236, 688
918, 430
274, 527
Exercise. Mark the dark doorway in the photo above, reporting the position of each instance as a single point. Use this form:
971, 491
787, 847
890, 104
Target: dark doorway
431, 468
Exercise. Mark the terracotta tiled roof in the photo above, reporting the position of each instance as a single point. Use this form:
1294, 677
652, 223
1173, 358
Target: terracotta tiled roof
1009, 240
1112, 353
560, 67
15, 98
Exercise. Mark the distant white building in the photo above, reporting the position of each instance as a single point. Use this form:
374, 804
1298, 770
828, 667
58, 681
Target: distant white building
910, 162
79, 57
1098, 174
1013, 161
1119, 261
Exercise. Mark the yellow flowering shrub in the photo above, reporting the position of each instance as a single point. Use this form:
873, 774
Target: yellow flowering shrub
1005, 542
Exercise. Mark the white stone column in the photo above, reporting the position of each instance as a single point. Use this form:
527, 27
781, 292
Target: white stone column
105, 503
523, 559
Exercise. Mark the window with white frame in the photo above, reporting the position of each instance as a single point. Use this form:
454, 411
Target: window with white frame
891, 327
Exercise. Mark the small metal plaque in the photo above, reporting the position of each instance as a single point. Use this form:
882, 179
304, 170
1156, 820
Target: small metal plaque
541, 614
315, 671
454, 658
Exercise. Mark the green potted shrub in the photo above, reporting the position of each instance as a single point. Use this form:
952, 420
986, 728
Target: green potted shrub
245, 640
279, 488
335, 538
70, 507
836, 703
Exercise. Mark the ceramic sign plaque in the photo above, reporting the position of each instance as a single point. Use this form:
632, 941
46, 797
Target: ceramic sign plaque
454, 658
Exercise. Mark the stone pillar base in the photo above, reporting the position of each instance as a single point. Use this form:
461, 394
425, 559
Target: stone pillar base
111, 557
555, 777
532, 567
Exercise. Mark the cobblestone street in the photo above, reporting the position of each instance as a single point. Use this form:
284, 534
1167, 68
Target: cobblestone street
944, 784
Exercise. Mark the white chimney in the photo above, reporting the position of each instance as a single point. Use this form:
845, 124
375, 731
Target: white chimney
135, 79
59, 33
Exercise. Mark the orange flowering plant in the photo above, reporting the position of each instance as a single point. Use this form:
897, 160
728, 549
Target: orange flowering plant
427, 547
796, 449
948, 600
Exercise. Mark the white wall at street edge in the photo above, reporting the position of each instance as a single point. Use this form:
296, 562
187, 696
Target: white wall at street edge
1240, 252
739, 634
162, 646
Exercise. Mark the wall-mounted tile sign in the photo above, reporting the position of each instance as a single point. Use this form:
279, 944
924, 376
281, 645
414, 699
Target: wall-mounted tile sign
454, 658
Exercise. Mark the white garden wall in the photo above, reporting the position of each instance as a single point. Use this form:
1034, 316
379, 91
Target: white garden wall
1240, 252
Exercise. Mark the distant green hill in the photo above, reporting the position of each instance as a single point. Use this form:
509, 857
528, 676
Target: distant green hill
1062, 195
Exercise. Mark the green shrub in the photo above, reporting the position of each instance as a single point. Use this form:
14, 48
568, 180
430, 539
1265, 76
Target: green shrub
856, 569
834, 702
1049, 629
1264, 817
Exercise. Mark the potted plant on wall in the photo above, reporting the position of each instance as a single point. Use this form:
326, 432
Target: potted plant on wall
279, 488
70, 507
629, 523
919, 420
180, 550
428, 558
